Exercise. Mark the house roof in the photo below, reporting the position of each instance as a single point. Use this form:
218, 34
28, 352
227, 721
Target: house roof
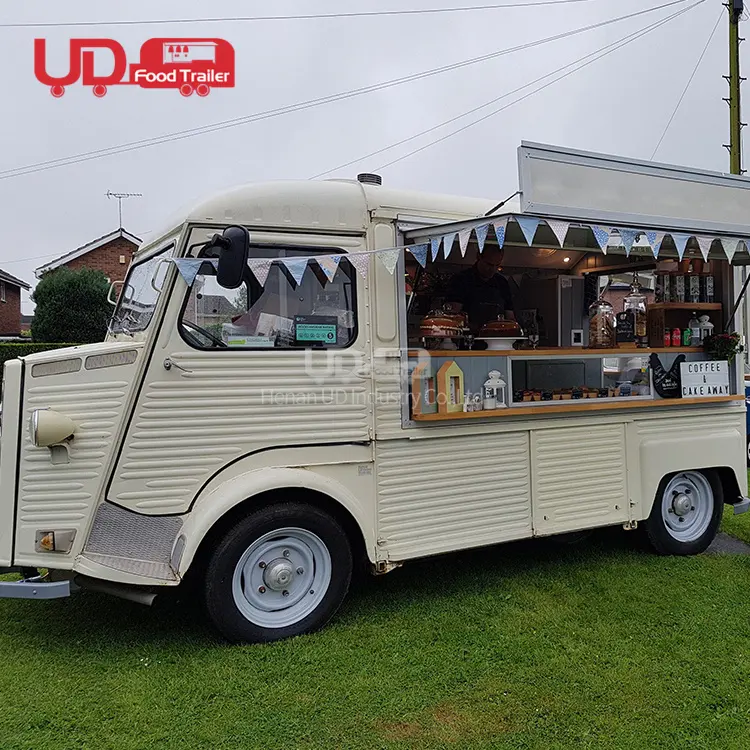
87, 248
6, 277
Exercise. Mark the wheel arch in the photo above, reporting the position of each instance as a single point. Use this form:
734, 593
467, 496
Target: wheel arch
214, 514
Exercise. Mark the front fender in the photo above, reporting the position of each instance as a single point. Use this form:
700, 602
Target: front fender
225, 496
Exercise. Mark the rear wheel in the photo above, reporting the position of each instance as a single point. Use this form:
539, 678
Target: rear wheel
282, 571
686, 513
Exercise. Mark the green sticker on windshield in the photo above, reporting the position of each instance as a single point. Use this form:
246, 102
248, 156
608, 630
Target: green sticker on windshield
315, 329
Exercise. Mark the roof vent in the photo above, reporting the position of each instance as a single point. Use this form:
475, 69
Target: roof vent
369, 179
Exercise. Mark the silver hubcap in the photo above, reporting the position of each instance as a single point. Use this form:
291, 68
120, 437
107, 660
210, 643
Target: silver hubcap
687, 506
281, 577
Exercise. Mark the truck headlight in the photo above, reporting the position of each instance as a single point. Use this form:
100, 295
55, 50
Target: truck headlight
48, 427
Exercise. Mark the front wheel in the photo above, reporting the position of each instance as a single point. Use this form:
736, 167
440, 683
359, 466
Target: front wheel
686, 513
282, 571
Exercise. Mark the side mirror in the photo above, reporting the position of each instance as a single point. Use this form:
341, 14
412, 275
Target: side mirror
234, 247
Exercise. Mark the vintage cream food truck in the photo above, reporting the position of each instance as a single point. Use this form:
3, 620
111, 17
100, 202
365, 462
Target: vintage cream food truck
300, 376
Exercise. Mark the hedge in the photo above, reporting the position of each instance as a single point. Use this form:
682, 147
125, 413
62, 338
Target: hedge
13, 350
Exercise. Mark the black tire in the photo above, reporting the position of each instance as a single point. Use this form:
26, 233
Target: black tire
659, 535
220, 601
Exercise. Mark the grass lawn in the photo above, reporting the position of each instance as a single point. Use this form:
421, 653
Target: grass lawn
524, 646
737, 526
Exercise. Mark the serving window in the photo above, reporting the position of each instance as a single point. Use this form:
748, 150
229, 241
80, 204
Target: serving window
584, 328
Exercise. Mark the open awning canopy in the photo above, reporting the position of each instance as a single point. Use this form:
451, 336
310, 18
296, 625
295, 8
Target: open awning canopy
586, 202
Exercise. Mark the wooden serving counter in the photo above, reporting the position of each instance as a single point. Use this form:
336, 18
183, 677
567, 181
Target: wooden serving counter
447, 381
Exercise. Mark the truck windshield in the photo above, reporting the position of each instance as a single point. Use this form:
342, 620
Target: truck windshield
138, 297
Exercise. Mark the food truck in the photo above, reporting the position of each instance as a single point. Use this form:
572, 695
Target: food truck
300, 377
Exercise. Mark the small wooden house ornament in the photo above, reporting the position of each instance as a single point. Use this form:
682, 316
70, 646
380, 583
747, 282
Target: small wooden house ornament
423, 395
450, 388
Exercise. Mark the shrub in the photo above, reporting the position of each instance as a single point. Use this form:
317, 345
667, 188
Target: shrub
71, 306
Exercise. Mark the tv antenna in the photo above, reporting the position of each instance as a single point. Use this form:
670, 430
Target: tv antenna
120, 197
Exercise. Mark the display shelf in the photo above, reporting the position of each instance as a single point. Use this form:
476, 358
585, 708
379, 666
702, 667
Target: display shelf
576, 351
582, 405
696, 306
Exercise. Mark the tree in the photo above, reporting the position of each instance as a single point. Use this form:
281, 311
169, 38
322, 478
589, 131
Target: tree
71, 307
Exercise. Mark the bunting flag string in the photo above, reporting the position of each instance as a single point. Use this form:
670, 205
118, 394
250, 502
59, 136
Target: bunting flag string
481, 233
389, 258
330, 264
190, 268
448, 241
500, 227
420, 253
559, 228
680, 242
463, 240
528, 226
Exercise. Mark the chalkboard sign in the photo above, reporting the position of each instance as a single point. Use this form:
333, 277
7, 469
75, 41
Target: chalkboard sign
667, 383
625, 327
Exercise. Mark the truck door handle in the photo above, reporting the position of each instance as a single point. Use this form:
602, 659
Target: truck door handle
169, 364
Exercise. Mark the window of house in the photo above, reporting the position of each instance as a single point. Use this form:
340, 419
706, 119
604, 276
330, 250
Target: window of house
281, 314
2, 291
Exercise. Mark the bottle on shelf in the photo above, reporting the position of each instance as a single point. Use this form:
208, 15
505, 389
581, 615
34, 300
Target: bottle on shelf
695, 331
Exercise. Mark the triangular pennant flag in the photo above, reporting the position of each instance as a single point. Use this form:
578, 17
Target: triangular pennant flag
705, 245
448, 241
628, 238
463, 240
260, 268
730, 246
361, 261
434, 247
420, 253
389, 258
560, 229
680, 242
500, 226
601, 235
188, 268
296, 267
481, 233
329, 264
655, 239
528, 226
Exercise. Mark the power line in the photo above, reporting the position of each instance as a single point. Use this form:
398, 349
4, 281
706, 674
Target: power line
222, 125
687, 85
629, 37
301, 17
608, 51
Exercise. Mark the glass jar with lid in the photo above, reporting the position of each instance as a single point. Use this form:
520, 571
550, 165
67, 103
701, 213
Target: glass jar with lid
602, 325
635, 304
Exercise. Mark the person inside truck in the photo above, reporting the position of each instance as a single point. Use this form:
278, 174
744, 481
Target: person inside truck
481, 291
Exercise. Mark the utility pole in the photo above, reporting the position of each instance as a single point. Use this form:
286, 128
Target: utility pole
735, 8
120, 197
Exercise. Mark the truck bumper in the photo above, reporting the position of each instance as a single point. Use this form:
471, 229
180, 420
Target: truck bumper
34, 588
741, 506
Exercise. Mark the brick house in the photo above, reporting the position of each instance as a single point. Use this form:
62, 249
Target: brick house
110, 254
10, 304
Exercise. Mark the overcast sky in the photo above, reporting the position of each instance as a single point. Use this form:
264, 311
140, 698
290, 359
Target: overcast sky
618, 105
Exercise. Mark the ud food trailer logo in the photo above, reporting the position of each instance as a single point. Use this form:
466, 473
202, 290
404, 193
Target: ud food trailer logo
188, 65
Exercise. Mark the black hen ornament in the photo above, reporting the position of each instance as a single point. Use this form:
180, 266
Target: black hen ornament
667, 383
